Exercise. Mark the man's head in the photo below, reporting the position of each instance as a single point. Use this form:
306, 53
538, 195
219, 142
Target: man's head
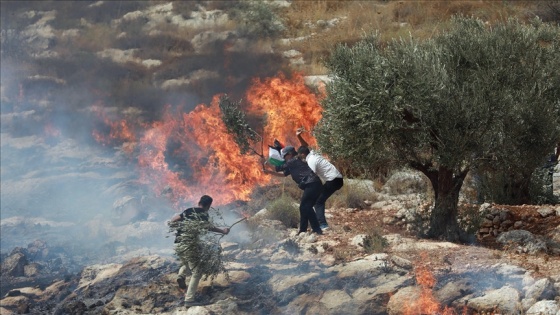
303, 151
288, 152
205, 202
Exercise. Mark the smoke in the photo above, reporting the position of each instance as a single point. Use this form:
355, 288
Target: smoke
60, 183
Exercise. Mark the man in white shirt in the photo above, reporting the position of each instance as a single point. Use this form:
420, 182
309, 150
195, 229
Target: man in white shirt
332, 179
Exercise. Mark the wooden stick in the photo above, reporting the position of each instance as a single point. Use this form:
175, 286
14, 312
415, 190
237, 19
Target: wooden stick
237, 222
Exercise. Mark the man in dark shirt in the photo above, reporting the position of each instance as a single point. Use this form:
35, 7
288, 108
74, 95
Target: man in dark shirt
199, 213
308, 181
329, 174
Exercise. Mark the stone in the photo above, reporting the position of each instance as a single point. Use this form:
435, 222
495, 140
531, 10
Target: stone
505, 299
542, 289
548, 307
14, 265
531, 243
401, 299
546, 211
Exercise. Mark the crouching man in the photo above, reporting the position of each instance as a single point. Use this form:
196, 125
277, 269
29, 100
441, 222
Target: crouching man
192, 246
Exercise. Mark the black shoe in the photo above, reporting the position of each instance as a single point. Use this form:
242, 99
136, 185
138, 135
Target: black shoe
181, 283
318, 232
193, 303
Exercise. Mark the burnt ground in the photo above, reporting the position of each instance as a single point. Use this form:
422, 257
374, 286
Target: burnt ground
346, 224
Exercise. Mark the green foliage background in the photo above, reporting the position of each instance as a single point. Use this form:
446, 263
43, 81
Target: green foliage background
475, 96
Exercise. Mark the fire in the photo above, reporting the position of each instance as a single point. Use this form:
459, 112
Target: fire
209, 161
426, 302
191, 153
120, 130
288, 105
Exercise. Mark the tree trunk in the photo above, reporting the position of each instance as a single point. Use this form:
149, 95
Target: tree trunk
443, 220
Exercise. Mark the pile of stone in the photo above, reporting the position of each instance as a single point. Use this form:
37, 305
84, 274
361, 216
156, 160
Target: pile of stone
498, 220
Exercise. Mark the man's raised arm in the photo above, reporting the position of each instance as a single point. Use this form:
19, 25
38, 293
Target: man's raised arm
300, 138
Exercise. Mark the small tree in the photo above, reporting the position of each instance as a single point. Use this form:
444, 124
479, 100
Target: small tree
258, 19
476, 96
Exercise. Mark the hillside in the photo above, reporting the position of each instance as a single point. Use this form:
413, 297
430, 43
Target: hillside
110, 125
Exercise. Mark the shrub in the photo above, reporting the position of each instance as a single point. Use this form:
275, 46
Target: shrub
505, 188
262, 197
343, 254
540, 187
549, 11
284, 210
258, 19
353, 194
374, 242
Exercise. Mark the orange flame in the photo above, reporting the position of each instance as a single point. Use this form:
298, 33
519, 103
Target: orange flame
192, 153
288, 104
426, 303
119, 130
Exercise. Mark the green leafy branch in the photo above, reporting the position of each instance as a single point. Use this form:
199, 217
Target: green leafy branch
236, 123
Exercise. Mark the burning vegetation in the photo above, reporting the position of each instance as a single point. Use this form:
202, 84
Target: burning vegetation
194, 152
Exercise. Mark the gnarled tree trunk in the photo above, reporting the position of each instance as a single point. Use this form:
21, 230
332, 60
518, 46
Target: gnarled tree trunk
443, 220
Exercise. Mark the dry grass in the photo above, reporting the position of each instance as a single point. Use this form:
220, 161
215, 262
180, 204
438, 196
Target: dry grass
353, 195
374, 242
391, 19
285, 210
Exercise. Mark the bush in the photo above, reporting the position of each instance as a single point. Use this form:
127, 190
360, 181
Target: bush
262, 197
258, 19
353, 194
505, 188
344, 254
284, 209
549, 11
291, 246
540, 188
374, 242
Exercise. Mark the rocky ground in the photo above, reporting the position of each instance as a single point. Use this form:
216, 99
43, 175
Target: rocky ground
340, 272
486, 252
65, 252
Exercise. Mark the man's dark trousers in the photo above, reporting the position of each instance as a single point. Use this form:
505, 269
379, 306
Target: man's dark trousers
311, 192
328, 189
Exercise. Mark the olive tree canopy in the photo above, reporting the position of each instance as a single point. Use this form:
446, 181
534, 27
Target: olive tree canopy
474, 96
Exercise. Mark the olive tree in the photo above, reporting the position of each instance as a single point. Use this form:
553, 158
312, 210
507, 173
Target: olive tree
474, 97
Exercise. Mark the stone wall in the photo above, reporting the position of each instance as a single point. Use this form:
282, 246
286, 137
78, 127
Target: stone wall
500, 219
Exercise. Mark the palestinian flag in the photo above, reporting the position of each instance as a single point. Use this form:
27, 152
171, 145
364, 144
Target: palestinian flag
274, 153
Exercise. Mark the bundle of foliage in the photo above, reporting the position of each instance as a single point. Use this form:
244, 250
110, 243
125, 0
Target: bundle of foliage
197, 245
475, 97
236, 124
